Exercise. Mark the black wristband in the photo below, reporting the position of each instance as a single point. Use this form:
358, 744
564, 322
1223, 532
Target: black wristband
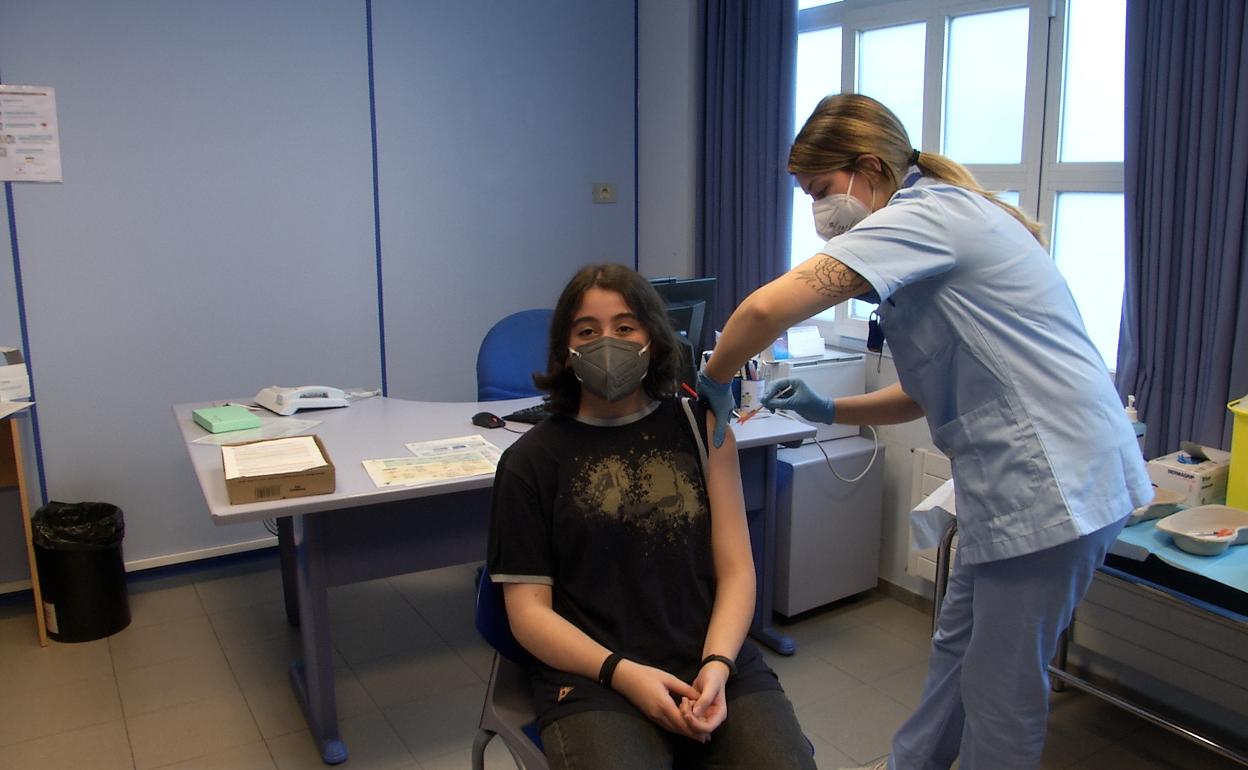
732, 666
608, 669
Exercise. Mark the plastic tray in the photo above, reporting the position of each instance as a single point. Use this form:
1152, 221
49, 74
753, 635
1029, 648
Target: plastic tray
1192, 529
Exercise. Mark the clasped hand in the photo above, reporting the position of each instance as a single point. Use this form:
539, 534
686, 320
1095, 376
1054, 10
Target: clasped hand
653, 691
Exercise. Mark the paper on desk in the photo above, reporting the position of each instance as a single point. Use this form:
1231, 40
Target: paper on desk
283, 455
931, 517
442, 460
270, 427
453, 447
12, 407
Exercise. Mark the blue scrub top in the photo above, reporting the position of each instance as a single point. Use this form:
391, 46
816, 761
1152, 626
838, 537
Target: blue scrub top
986, 338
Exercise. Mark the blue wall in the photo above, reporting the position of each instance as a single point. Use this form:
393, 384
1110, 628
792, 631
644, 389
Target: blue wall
215, 230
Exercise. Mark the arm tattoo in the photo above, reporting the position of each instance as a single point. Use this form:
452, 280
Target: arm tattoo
831, 278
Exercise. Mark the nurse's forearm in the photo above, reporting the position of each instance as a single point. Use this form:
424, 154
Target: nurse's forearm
886, 406
810, 288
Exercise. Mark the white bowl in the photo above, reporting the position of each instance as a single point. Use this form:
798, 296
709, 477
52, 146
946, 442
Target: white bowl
1165, 502
1193, 529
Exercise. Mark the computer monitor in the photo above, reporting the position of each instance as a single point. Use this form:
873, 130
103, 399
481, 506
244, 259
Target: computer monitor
690, 304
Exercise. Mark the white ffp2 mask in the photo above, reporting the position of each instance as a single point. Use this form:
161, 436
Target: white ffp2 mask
834, 214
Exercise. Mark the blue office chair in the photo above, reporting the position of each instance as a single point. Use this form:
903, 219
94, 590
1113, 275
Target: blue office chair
512, 350
508, 708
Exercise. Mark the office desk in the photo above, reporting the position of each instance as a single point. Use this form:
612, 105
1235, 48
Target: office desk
361, 532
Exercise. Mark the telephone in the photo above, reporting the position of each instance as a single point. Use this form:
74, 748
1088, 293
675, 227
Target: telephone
287, 401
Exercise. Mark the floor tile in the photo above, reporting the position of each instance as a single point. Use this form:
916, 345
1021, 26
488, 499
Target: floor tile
496, 758
252, 756
383, 635
149, 608
807, 678
409, 676
190, 731
859, 723
175, 682
98, 747
145, 645
246, 590
254, 623
434, 727
867, 652
25, 666
905, 686
277, 711
256, 664
371, 745
25, 716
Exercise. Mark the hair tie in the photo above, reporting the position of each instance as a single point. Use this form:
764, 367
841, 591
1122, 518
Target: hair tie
914, 157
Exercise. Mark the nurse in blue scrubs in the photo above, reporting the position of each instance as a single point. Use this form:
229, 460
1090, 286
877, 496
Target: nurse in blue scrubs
990, 348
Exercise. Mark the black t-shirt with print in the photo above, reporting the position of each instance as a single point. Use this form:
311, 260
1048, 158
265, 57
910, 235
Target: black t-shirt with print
615, 519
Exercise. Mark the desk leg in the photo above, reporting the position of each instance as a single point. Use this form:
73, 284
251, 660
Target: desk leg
286, 552
313, 678
764, 549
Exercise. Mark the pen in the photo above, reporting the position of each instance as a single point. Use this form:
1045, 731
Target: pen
689, 390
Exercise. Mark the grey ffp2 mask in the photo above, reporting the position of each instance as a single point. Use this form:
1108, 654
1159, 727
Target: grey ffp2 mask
610, 368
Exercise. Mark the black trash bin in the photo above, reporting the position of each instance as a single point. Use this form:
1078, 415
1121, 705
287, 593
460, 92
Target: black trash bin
78, 553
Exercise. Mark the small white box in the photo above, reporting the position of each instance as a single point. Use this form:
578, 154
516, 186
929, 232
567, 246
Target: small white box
1201, 483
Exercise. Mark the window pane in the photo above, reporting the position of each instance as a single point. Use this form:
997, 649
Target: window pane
890, 69
1009, 196
986, 81
805, 241
804, 4
1089, 231
818, 70
1092, 83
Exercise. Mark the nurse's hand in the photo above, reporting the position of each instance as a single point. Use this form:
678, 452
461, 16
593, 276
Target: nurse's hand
719, 397
796, 396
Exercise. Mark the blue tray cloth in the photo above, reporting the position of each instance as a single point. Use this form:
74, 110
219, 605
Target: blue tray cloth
1229, 567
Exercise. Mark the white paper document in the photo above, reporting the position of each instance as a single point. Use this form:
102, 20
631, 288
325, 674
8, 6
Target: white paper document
11, 407
30, 144
448, 459
283, 455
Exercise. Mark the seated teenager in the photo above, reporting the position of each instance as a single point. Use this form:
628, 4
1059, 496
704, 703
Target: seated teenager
619, 534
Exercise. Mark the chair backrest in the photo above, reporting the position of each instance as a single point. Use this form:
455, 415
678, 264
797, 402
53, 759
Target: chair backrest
492, 622
512, 350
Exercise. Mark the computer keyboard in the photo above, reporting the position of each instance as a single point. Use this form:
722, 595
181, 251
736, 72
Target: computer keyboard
531, 414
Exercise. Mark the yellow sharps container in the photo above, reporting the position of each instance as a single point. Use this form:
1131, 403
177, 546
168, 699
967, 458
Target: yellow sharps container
1237, 481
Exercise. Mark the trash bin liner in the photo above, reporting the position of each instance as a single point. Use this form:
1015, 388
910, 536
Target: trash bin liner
81, 574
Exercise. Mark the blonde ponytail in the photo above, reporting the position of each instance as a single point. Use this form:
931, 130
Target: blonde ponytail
947, 170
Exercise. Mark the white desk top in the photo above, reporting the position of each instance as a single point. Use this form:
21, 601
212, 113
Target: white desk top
376, 428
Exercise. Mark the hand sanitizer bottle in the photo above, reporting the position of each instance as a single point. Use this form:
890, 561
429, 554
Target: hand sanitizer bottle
1134, 417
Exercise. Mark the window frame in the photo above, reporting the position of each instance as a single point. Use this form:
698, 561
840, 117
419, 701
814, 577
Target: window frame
1038, 178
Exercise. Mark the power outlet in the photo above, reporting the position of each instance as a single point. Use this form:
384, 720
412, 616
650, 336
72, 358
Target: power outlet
604, 192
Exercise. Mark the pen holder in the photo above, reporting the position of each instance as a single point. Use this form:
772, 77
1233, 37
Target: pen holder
752, 394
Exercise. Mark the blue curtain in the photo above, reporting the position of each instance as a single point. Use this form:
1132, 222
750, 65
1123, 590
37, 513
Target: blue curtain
1185, 308
745, 194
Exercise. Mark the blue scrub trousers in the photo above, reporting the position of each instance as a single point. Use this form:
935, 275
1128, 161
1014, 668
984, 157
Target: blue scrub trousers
986, 698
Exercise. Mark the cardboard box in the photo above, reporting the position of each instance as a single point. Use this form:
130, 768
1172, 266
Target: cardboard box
279, 486
1200, 483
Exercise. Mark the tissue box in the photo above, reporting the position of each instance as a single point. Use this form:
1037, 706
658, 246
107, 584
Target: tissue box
1202, 483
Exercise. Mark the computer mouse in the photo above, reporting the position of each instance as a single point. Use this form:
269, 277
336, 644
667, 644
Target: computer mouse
488, 420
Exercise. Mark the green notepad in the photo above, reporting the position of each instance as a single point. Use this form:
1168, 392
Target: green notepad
220, 419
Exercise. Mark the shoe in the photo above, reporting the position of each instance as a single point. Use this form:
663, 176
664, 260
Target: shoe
881, 765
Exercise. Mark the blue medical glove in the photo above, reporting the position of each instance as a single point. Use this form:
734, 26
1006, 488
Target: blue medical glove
719, 397
801, 398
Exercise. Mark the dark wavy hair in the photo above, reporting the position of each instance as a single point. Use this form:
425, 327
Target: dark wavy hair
643, 300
